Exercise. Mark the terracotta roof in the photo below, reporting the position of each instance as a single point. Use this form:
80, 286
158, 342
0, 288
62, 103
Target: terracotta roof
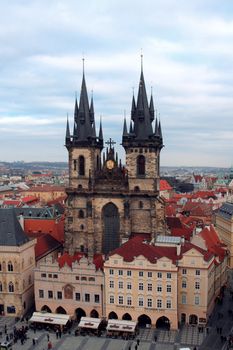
12, 202
198, 209
29, 199
174, 222
213, 242
69, 259
164, 185
185, 232
204, 194
137, 246
45, 244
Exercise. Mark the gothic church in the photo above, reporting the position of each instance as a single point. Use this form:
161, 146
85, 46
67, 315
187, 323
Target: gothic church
108, 202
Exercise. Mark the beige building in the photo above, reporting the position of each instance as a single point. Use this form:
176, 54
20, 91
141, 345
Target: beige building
224, 226
17, 262
70, 285
165, 283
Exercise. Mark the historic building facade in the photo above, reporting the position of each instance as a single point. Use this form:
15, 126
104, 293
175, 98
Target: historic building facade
17, 262
108, 202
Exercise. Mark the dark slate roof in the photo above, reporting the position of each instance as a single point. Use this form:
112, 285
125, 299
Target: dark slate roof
226, 210
11, 233
47, 212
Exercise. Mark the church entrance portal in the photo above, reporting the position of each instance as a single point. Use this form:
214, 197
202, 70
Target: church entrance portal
111, 225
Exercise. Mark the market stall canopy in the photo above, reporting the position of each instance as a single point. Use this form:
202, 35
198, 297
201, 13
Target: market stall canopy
89, 322
46, 317
121, 326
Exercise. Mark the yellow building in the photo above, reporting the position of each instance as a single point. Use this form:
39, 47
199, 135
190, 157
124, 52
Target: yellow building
165, 283
224, 226
17, 262
46, 193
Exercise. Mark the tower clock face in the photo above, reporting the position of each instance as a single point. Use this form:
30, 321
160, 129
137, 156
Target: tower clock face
110, 164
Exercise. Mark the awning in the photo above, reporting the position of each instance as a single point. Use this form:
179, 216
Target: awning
47, 317
121, 326
89, 322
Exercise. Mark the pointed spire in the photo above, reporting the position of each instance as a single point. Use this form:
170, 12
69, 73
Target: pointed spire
68, 139
160, 129
131, 127
151, 108
93, 134
125, 131
92, 114
156, 126
101, 131
133, 108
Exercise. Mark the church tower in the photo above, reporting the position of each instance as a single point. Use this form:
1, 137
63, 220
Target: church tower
142, 144
84, 149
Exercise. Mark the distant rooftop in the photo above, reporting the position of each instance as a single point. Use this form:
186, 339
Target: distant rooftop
11, 232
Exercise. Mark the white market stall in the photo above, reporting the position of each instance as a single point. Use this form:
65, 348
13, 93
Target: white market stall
49, 318
122, 326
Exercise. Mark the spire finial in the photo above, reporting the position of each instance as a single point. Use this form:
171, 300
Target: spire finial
83, 59
141, 60
151, 90
133, 90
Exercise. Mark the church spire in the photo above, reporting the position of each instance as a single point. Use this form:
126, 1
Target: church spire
151, 108
68, 138
101, 139
125, 132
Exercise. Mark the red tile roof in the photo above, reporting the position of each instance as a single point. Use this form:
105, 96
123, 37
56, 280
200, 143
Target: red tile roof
138, 246
164, 185
213, 242
29, 199
69, 259
45, 244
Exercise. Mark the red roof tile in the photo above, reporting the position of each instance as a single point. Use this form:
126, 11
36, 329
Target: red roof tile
164, 185
45, 244
69, 259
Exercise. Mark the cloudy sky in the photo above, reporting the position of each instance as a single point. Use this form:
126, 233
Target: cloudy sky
188, 60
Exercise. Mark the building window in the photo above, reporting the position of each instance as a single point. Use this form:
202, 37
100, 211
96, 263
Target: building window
111, 272
159, 275
169, 304
149, 274
41, 293
169, 275
77, 296
81, 165
55, 276
149, 287
197, 300
111, 299
197, 285
50, 294
169, 288
183, 299
159, 303
184, 284
198, 272
70, 220
43, 275
120, 300
97, 298
0, 267
87, 297
120, 284
140, 301
140, 286
81, 214
159, 288
111, 284
129, 273
50, 275
140, 205
129, 285
75, 164
140, 273
11, 309
91, 279
141, 165
184, 271
11, 287
149, 302
83, 278
120, 272
59, 295
10, 266
129, 301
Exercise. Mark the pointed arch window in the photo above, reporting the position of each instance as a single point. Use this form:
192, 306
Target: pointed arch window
81, 214
81, 165
0, 286
11, 287
141, 165
10, 266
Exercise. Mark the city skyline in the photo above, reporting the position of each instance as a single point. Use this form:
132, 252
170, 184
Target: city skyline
187, 62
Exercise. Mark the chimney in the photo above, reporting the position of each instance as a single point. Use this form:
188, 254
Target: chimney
178, 249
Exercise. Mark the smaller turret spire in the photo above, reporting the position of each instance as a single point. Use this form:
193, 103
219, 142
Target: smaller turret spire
160, 129
125, 131
68, 139
101, 131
